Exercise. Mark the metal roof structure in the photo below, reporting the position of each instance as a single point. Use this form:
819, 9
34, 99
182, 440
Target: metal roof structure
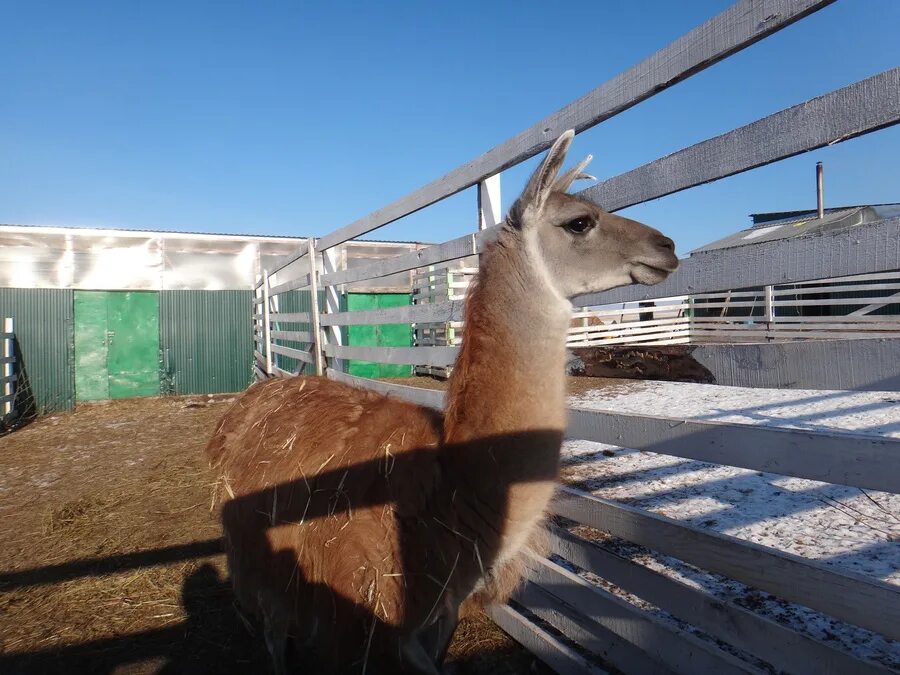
792, 224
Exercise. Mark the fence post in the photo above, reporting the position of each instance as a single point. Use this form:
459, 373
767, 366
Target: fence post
267, 328
770, 311
489, 202
7, 371
314, 327
331, 262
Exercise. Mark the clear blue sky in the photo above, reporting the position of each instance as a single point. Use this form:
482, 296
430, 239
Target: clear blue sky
295, 118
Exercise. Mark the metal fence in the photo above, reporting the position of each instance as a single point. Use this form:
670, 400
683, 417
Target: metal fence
555, 600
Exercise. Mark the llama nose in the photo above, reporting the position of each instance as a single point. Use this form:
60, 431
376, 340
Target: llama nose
665, 243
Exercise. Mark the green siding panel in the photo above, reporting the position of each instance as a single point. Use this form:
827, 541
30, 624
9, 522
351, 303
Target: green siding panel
133, 344
381, 335
91, 372
206, 341
44, 347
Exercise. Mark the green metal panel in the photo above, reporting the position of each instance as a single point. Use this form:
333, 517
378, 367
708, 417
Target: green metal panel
206, 340
133, 343
91, 372
44, 347
381, 335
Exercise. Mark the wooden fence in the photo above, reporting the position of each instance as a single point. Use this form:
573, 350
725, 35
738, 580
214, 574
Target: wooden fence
569, 623
859, 306
9, 375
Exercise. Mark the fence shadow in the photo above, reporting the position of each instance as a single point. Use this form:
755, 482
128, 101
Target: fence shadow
212, 639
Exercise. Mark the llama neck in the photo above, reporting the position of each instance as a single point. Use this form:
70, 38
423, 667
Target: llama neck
510, 375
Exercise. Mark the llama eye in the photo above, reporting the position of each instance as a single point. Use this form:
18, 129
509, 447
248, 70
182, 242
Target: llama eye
579, 225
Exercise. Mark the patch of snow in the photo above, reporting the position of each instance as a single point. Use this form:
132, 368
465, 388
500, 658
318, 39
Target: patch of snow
869, 412
845, 528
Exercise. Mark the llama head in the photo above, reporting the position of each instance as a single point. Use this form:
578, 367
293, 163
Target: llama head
580, 247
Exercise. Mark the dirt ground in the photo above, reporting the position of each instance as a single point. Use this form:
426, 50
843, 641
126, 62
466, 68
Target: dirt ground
110, 559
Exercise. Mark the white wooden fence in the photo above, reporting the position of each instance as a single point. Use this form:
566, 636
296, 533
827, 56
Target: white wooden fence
845, 308
556, 601
9, 376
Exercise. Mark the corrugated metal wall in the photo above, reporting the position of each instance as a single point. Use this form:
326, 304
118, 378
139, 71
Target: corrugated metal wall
45, 346
206, 341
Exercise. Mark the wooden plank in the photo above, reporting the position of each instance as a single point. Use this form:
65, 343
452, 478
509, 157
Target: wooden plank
432, 398
784, 648
586, 633
854, 110
9, 378
439, 312
841, 457
281, 372
562, 659
7, 398
847, 596
678, 650
869, 248
298, 354
259, 357
258, 373
836, 288
299, 283
416, 356
7, 359
289, 317
739, 26
295, 335
451, 250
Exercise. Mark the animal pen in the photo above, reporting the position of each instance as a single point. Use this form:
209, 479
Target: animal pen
573, 625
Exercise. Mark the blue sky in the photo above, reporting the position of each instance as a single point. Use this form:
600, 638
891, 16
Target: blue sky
296, 118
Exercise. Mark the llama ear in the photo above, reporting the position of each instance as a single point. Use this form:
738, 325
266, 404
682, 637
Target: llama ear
565, 181
541, 183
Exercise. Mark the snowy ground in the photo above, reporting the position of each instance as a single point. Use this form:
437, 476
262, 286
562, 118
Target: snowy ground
847, 528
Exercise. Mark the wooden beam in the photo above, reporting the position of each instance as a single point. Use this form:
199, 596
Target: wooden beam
831, 456
299, 283
862, 249
739, 26
295, 335
460, 247
432, 398
851, 597
298, 354
676, 649
416, 356
562, 659
290, 317
438, 312
786, 649
586, 633
854, 110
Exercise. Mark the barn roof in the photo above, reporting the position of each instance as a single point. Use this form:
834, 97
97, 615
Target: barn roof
791, 224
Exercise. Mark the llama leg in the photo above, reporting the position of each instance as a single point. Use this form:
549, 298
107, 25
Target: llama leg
275, 630
437, 637
416, 661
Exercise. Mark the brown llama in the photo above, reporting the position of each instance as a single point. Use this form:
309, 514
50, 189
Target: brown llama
357, 525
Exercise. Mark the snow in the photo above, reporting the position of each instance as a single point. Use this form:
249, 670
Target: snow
845, 528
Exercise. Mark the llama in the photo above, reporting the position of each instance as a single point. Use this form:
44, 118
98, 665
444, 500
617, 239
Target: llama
359, 526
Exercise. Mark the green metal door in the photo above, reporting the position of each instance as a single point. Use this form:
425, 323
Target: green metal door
91, 374
116, 344
380, 335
